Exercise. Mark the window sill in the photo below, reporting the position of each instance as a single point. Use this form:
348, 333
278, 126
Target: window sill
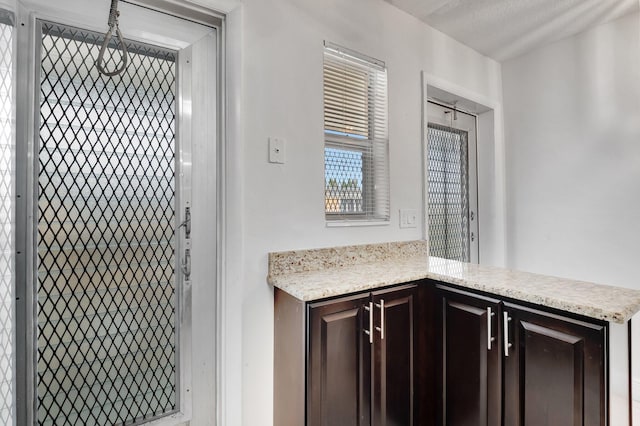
353, 223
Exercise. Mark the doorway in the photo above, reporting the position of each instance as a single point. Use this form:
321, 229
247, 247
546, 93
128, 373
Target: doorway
452, 204
116, 241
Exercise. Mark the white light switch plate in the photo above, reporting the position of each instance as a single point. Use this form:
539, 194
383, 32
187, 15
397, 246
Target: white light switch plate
276, 150
408, 218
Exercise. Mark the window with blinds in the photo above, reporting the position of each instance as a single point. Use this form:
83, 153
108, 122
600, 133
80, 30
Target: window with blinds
356, 137
106, 283
7, 219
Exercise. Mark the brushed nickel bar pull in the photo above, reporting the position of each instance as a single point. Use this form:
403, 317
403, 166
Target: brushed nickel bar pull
490, 338
507, 345
368, 332
381, 328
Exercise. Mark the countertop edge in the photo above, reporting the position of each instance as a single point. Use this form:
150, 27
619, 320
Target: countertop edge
290, 283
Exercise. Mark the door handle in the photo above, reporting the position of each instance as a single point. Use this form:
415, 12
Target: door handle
369, 332
381, 328
507, 345
185, 264
186, 223
490, 338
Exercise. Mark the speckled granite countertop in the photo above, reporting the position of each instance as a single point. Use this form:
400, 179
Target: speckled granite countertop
316, 274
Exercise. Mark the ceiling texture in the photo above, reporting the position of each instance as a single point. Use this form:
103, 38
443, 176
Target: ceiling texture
504, 29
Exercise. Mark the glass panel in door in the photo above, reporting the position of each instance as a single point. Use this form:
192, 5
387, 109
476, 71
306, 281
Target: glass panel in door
452, 188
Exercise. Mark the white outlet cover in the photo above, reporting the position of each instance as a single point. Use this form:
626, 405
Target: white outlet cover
276, 150
408, 218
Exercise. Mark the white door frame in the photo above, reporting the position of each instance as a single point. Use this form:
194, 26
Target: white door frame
496, 238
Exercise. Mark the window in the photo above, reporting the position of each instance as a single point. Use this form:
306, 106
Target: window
452, 189
356, 159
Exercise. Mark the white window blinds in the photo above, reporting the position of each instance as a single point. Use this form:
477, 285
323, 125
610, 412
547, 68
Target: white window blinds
356, 136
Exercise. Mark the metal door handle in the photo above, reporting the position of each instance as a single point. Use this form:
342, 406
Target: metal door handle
368, 332
186, 223
185, 264
381, 328
490, 338
507, 345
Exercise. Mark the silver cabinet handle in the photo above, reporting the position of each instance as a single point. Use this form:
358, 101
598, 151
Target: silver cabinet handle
368, 332
490, 338
381, 328
507, 345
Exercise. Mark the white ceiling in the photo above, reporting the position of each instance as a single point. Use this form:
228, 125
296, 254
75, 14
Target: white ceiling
504, 29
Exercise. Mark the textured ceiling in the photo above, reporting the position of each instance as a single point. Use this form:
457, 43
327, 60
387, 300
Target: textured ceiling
504, 29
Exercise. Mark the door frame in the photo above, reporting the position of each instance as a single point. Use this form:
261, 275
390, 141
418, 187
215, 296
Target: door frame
492, 222
468, 124
27, 14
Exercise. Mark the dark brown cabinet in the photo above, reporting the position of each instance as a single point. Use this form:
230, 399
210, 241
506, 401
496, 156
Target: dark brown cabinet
504, 363
470, 385
428, 353
554, 369
393, 357
358, 367
339, 379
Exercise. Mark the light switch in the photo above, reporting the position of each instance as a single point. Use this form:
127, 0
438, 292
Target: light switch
276, 150
408, 218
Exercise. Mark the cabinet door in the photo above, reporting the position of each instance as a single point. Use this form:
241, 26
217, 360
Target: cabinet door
470, 384
393, 366
554, 371
339, 380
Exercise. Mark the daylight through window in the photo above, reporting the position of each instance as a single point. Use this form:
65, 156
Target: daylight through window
356, 136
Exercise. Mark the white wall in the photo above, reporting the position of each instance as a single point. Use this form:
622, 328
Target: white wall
282, 206
572, 131
573, 156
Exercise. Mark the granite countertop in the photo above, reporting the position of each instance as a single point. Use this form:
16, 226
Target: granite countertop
317, 274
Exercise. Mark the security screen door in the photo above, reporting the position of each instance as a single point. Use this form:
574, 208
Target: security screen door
7, 218
452, 188
111, 223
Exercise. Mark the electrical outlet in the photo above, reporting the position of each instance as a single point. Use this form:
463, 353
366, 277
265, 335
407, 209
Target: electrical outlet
408, 218
276, 150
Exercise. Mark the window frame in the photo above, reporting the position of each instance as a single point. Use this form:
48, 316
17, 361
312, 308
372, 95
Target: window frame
372, 171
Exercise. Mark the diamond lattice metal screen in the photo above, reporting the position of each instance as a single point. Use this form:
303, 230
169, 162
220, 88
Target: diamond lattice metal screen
7, 220
106, 293
448, 193
343, 181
